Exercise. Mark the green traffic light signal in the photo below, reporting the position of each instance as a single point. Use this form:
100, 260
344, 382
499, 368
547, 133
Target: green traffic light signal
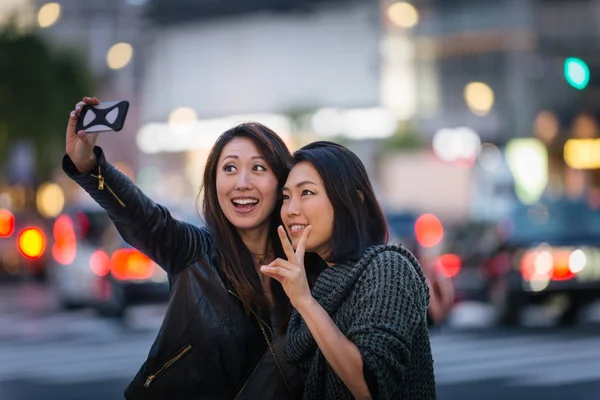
577, 73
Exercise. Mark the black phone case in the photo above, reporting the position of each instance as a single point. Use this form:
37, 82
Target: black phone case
103, 117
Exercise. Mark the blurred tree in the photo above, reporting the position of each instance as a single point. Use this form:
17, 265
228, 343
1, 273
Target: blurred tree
38, 88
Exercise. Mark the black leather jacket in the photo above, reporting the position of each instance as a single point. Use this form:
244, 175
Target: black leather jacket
207, 346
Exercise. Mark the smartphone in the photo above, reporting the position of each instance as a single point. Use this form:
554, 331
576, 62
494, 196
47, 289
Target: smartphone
103, 117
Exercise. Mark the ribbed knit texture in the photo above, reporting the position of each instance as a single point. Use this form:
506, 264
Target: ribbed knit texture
380, 304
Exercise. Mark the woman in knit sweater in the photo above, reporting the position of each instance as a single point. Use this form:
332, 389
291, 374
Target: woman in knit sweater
362, 331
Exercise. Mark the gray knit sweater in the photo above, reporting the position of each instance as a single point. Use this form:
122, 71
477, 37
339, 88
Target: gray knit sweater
380, 304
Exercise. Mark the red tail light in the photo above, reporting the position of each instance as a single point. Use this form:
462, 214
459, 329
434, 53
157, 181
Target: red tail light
130, 264
450, 264
32, 242
7, 223
546, 264
100, 263
561, 271
65, 241
429, 230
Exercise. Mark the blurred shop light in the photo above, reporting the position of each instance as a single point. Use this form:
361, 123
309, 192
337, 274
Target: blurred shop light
32, 242
50, 200
456, 145
479, 98
528, 161
119, 55
48, 15
201, 134
577, 73
582, 153
403, 14
7, 223
490, 157
546, 126
182, 115
328, 122
584, 127
360, 123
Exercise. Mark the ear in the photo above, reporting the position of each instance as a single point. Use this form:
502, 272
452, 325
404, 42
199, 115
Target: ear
361, 195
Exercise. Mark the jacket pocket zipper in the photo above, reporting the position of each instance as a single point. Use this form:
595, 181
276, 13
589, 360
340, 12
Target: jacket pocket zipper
167, 365
102, 184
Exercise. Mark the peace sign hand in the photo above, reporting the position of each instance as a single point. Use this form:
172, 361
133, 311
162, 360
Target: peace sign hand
291, 273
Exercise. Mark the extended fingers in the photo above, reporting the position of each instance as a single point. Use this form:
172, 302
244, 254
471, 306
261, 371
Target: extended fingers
285, 243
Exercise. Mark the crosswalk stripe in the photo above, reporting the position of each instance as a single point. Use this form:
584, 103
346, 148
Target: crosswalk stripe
541, 358
487, 355
558, 375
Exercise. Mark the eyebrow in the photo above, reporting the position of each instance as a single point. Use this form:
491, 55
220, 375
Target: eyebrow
237, 157
301, 184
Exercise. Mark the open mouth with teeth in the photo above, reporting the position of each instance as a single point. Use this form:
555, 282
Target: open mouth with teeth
245, 204
296, 228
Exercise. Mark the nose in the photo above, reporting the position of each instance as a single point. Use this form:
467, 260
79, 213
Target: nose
293, 208
244, 181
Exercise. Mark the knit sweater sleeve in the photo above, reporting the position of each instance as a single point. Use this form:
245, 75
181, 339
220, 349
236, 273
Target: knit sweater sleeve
388, 304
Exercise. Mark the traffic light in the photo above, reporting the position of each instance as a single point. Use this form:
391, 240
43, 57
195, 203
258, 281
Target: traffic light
577, 73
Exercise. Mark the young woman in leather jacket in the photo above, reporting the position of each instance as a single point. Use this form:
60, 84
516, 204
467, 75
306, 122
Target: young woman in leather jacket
223, 333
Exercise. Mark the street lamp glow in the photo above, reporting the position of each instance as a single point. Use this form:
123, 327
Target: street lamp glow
479, 97
48, 15
403, 14
119, 55
577, 73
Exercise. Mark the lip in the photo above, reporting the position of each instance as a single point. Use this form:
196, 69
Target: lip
245, 210
293, 233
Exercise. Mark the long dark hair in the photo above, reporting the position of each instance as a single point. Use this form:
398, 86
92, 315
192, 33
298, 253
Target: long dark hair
233, 257
358, 220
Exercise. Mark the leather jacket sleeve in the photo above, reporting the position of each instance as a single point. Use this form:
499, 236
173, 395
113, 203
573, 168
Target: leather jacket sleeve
144, 224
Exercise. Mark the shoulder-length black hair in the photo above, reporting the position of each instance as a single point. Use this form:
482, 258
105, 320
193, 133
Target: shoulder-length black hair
358, 220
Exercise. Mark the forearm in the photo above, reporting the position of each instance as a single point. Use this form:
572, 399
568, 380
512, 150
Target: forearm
143, 224
341, 354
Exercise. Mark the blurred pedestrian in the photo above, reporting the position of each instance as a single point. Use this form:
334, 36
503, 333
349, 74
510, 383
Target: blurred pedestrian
441, 291
224, 330
362, 332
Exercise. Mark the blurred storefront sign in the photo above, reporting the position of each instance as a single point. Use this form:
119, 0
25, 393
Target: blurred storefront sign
582, 153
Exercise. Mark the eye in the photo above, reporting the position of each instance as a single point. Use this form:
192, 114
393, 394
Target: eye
286, 197
259, 167
307, 192
228, 168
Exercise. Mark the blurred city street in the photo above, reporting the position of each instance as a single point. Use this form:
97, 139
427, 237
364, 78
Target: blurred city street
76, 355
478, 124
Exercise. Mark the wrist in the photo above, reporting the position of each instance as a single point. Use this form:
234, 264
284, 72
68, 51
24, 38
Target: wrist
305, 305
84, 165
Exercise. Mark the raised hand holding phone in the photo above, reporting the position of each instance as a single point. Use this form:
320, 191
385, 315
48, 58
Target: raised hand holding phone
79, 146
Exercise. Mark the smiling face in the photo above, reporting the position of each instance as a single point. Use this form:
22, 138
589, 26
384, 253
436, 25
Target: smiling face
305, 202
247, 188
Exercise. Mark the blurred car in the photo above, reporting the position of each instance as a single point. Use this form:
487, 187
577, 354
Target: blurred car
550, 250
92, 266
465, 249
23, 245
426, 238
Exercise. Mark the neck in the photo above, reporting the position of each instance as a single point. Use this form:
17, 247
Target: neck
256, 240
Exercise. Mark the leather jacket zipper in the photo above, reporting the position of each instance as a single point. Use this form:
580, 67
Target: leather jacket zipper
102, 184
167, 365
262, 325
